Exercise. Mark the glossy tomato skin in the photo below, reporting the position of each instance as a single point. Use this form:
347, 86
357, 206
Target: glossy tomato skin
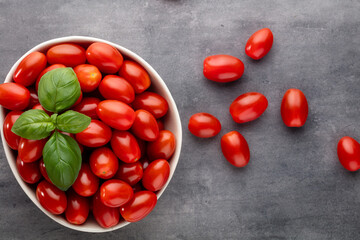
145, 126
248, 107
204, 125
77, 209
223, 68
51, 198
105, 57
130, 173
29, 172
163, 147
68, 54
156, 175
88, 107
89, 77
116, 114
259, 44
125, 146
115, 193
11, 138
348, 151
139, 207
136, 75
14, 96
294, 108
96, 134
43, 170
34, 99
145, 162
31, 150
117, 88
235, 149
48, 69
105, 216
30, 68
86, 184
151, 102
103, 163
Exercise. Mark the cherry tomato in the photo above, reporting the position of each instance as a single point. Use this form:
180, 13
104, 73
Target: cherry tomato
105, 216
88, 107
145, 162
259, 44
115, 193
68, 54
34, 99
105, 57
77, 209
43, 170
89, 77
136, 75
86, 184
151, 102
248, 107
156, 175
78, 100
130, 173
103, 163
348, 151
29, 172
116, 114
31, 150
235, 149
125, 146
48, 69
139, 207
145, 126
160, 124
11, 138
116, 88
14, 96
163, 147
40, 107
95, 135
294, 108
29, 68
51, 198
204, 125
223, 68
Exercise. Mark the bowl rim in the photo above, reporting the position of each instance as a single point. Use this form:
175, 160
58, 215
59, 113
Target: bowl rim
154, 75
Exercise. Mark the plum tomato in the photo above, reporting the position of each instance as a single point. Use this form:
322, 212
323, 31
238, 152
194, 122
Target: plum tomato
78, 100
105, 57
29, 172
235, 149
204, 125
88, 107
294, 108
125, 146
68, 54
156, 175
31, 150
142, 146
136, 75
139, 206
248, 107
223, 68
43, 170
86, 184
163, 147
89, 77
14, 96
103, 163
117, 88
96, 134
115, 193
11, 138
51, 198
151, 102
116, 114
34, 98
145, 126
48, 69
259, 44
348, 151
105, 216
29, 69
77, 209
40, 107
130, 173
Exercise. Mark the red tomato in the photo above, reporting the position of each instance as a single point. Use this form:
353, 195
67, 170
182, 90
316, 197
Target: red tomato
77, 209
248, 107
160, 124
136, 75
125, 146
137, 187
139, 207
105, 216
29, 172
115, 193
14, 96
145, 126
204, 125
89, 77
86, 184
40, 107
130, 173
103, 163
294, 108
29, 68
11, 138
78, 100
145, 162
142, 146
88, 107
34, 99
259, 44
223, 68
116, 114
51, 198
348, 151
68, 54
151, 102
156, 175
116, 88
48, 69
95, 135
31, 150
163, 147
107, 58
43, 170
235, 149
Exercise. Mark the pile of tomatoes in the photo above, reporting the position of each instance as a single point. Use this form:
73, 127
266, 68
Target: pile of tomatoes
125, 149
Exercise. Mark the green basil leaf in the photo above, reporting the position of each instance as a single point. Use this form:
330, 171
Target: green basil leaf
33, 124
62, 158
58, 89
72, 122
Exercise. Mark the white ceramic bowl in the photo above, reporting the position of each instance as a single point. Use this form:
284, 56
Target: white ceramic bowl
171, 122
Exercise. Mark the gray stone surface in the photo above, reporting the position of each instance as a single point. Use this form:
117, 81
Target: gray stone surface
294, 186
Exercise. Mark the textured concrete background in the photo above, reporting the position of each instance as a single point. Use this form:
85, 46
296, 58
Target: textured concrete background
294, 186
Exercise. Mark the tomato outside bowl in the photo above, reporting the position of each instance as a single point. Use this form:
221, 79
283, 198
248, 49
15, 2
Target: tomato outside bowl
171, 122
